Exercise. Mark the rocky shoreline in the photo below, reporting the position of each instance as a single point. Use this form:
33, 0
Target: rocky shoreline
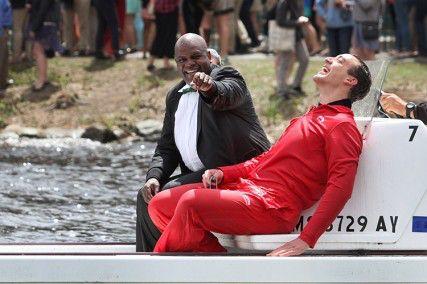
148, 130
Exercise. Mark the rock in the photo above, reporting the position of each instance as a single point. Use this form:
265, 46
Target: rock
149, 129
131, 139
8, 135
62, 133
99, 133
29, 132
120, 133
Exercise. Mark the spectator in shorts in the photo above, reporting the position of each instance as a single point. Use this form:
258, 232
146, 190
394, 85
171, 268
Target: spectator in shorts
133, 10
43, 30
5, 24
339, 24
290, 14
222, 11
310, 31
166, 13
366, 17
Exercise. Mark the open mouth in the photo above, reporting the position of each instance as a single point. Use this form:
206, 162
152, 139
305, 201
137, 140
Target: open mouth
325, 70
191, 72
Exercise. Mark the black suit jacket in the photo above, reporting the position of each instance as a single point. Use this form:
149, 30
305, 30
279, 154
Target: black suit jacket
228, 129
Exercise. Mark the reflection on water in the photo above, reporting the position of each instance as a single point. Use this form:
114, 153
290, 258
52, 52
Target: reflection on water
68, 190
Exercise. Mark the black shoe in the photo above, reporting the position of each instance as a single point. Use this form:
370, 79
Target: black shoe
66, 53
151, 68
82, 53
255, 44
44, 86
101, 56
298, 91
284, 95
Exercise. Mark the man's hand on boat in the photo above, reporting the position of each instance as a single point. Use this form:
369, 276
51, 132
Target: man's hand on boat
151, 188
202, 82
392, 103
294, 247
211, 178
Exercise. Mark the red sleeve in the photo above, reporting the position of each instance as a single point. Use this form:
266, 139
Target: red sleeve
242, 170
343, 146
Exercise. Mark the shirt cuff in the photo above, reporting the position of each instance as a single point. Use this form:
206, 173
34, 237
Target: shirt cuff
154, 173
308, 239
230, 174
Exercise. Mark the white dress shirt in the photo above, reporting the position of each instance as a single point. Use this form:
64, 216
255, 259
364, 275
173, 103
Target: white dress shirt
185, 130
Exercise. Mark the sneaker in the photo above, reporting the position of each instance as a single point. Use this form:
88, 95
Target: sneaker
119, 55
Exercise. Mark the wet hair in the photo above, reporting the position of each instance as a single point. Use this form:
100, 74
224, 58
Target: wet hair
364, 80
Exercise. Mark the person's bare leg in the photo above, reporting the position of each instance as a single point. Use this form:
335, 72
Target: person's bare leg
149, 34
369, 54
205, 26
166, 63
181, 24
255, 22
130, 31
41, 61
310, 36
150, 63
223, 27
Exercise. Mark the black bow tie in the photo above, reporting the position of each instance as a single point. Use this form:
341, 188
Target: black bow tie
187, 90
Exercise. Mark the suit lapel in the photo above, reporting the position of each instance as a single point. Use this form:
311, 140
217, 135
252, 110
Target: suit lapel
199, 117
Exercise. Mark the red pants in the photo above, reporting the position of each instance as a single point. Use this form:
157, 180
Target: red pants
187, 214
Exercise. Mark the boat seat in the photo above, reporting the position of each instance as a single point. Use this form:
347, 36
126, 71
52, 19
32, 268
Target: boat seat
388, 207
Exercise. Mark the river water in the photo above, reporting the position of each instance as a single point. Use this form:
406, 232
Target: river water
70, 190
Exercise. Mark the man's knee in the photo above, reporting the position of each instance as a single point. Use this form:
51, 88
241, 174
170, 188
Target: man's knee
188, 201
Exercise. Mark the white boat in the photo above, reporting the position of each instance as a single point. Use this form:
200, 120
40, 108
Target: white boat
380, 235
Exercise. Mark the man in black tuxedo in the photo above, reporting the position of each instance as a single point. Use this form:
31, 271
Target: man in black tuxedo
210, 121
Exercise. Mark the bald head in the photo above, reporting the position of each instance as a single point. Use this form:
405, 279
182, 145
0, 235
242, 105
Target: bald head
191, 40
191, 56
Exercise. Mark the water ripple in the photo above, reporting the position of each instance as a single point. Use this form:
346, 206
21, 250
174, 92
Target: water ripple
69, 190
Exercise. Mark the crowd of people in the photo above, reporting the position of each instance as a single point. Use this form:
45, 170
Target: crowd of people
111, 28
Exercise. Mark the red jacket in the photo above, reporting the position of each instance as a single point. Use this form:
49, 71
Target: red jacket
315, 159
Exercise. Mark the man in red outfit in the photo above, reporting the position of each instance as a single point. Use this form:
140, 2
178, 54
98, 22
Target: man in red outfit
315, 159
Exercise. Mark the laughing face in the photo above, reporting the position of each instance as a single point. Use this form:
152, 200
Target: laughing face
190, 59
335, 70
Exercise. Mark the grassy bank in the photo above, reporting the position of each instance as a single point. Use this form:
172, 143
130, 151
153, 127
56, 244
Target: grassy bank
87, 92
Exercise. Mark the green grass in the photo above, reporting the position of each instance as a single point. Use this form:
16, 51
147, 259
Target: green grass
7, 108
408, 76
